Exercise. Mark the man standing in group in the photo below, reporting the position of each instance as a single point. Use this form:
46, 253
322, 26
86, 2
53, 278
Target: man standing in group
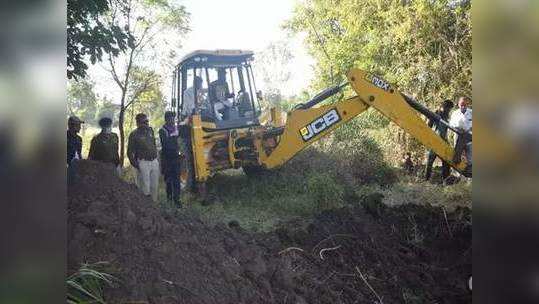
170, 158
142, 154
461, 120
74, 141
441, 130
104, 146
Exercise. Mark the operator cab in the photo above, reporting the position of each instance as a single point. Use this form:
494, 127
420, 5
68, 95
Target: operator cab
224, 86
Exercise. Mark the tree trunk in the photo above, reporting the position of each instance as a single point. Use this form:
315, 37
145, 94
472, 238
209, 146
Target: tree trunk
122, 133
123, 107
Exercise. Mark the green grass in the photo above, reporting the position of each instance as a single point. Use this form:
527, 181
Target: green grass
86, 285
425, 193
329, 175
324, 176
261, 203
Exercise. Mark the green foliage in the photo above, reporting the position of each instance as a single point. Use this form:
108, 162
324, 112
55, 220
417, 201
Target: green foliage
394, 143
288, 103
108, 109
423, 47
425, 193
324, 176
88, 35
82, 100
359, 158
325, 190
280, 195
86, 285
157, 28
273, 65
145, 96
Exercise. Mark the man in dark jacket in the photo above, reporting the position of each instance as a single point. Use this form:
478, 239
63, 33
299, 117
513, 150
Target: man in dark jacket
74, 141
170, 158
441, 130
104, 146
142, 154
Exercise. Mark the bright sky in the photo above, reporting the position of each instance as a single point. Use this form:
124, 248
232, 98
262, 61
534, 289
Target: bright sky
235, 24
250, 25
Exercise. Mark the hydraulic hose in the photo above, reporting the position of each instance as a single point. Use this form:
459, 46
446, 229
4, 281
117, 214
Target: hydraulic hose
428, 113
325, 94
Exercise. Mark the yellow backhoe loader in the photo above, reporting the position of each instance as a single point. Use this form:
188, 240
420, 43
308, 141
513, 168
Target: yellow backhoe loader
223, 127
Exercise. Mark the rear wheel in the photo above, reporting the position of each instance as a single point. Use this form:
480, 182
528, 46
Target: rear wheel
187, 168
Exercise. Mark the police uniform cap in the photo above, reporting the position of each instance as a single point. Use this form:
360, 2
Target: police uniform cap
74, 120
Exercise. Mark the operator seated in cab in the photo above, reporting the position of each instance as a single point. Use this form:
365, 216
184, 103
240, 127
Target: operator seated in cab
245, 106
190, 101
219, 94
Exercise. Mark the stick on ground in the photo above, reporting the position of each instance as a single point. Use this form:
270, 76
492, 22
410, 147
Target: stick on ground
327, 249
447, 223
369, 285
289, 249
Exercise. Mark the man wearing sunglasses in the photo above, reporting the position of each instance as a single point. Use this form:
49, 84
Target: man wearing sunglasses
142, 154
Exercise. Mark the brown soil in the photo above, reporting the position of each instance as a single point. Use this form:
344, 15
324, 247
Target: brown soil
406, 254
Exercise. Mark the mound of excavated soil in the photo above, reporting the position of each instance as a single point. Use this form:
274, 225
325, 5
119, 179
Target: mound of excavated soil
409, 254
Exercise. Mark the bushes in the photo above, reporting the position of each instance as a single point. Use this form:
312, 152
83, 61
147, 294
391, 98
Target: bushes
425, 193
323, 176
359, 161
325, 191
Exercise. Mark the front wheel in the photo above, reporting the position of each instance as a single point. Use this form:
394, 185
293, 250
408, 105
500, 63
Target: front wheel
187, 168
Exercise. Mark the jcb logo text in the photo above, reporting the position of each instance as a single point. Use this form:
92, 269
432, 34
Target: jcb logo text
320, 124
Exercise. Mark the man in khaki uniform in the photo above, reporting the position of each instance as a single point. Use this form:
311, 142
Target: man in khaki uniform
104, 146
142, 154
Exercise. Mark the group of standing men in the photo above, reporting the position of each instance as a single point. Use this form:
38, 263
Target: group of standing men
461, 120
141, 151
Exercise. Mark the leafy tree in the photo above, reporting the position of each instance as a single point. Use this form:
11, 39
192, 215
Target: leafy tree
106, 108
145, 96
289, 102
89, 36
273, 65
148, 22
422, 46
81, 100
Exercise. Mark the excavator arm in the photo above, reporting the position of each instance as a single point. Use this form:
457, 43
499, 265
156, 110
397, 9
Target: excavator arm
307, 124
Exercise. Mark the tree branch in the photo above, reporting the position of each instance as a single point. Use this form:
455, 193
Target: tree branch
114, 73
145, 86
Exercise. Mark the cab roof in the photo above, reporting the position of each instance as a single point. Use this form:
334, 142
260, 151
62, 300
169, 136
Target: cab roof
200, 58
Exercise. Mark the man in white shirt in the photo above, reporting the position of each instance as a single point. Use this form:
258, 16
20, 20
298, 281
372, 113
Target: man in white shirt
461, 120
219, 94
189, 97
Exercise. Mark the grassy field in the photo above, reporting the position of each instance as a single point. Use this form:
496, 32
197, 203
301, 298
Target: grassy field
262, 204
327, 175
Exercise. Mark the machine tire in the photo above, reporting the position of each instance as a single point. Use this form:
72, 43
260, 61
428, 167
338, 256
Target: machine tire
187, 168
254, 170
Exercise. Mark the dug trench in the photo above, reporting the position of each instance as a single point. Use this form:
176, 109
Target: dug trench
363, 254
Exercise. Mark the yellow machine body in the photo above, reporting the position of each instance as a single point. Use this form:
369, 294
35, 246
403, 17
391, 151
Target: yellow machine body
280, 136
